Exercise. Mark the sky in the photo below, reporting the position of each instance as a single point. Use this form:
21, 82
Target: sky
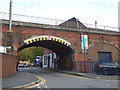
105, 12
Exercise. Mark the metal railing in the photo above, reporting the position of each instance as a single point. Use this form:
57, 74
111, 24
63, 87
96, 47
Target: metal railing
89, 65
81, 65
48, 21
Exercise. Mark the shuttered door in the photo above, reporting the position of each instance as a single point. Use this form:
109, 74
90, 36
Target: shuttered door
104, 57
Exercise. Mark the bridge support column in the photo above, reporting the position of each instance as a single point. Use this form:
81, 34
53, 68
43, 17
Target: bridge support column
80, 61
66, 62
80, 56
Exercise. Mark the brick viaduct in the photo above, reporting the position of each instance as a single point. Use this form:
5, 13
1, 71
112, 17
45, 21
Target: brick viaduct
98, 40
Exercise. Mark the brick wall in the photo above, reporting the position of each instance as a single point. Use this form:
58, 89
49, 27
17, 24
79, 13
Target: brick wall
103, 47
71, 35
9, 63
80, 57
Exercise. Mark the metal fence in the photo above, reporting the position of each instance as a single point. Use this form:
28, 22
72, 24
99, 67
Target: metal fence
55, 22
87, 66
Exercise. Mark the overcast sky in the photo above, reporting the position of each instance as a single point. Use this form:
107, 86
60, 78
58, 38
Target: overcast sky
105, 12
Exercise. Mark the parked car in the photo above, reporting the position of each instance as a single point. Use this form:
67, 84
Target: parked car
21, 65
30, 65
107, 68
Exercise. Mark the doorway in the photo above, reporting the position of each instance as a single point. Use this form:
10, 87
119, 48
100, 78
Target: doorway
105, 57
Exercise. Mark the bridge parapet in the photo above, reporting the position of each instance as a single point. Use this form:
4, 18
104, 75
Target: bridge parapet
61, 28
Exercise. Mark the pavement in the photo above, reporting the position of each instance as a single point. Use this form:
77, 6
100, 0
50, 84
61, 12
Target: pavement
89, 75
22, 79
27, 79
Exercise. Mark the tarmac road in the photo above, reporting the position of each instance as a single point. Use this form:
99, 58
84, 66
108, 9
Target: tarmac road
61, 80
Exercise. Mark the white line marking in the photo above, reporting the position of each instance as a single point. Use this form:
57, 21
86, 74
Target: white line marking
38, 87
45, 86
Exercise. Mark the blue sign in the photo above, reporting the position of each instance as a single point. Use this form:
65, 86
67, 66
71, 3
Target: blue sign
84, 41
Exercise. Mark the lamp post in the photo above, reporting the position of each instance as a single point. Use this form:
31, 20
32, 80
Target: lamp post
79, 27
96, 24
10, 16
9, 34
84, 49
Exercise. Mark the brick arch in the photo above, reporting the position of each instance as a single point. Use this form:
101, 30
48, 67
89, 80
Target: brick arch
106, 43
58, 45
50, 42
103, 47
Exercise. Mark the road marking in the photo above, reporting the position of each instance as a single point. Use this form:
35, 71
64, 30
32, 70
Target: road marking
37, 83
38, 87
42, 82
45, 86
97, 77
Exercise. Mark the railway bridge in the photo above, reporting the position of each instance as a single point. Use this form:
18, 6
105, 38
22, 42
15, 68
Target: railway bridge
71, 40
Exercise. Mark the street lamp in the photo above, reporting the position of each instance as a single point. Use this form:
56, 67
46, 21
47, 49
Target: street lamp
10, 16
96, 25
84, 49
79, 27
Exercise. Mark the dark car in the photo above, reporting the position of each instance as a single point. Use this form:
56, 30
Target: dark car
107, 68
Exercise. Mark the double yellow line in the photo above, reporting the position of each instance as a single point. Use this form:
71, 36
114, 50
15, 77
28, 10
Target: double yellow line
39, 82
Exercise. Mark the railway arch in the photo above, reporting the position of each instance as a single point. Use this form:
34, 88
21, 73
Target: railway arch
58, 45
65, 39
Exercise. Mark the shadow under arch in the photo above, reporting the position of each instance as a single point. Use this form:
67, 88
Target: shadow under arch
58, 45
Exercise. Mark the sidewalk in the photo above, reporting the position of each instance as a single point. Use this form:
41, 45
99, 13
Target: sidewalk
90, 75
19, 79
